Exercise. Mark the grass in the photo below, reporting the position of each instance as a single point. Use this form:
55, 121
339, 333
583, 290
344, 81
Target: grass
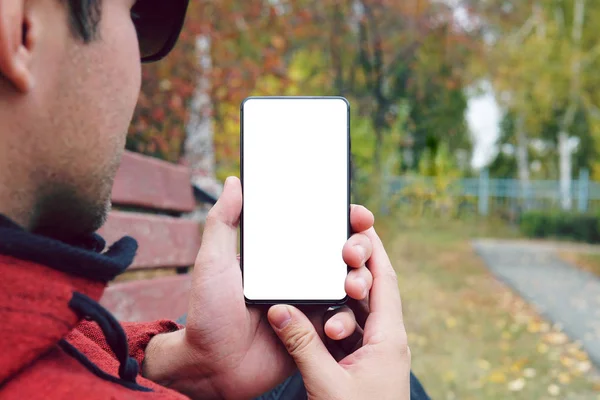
471, 337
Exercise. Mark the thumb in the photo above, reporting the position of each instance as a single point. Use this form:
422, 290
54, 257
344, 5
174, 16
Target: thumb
219, 238
318, 368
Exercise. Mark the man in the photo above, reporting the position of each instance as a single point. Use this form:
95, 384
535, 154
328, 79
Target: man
69, 81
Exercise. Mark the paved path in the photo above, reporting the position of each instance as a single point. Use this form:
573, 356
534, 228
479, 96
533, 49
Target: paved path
561, 292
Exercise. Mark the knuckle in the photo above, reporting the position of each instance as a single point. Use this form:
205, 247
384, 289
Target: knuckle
299, 341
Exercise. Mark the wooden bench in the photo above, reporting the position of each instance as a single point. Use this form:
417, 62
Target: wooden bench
150, 197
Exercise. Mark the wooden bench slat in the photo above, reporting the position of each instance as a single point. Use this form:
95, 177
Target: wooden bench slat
148, 182
163, 241
148, 300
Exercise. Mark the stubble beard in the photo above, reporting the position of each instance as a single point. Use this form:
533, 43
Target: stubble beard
68, 210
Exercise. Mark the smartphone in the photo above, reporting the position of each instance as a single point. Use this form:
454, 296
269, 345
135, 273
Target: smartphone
295, 172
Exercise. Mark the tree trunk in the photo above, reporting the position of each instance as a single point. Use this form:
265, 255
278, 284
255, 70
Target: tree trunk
199, 147
565, 169
523, 160
564, 152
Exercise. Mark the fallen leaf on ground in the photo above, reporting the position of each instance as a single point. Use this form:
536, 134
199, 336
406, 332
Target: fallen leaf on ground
451, 322
556, 338
567, 361
497, 377
518, 365
553, 390
534, 326
517, 385
449, 376
483, 364
564, 378
529, 372
584, 366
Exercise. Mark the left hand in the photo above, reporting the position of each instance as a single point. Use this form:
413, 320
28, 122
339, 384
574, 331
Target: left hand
228, 349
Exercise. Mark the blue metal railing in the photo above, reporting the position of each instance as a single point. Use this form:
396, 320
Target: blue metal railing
491, 193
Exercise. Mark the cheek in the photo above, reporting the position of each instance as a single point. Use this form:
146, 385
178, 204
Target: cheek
118, 77
126, 70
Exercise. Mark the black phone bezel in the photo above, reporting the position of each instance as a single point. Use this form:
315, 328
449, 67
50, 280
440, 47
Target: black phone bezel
331, 303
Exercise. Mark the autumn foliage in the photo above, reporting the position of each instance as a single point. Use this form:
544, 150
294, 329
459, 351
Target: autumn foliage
380, 54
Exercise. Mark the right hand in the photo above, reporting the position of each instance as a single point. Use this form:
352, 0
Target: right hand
379, 368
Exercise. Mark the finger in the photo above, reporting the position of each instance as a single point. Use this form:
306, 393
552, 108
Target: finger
357, 250
317, 366
361, 218
342, 347
384, 299
358, 283
219, 238
340, 323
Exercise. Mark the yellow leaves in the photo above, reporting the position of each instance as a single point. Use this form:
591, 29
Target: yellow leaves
556, 338
542, 348
533, 327
483, 364
567, 361
564, 378
451, 322
537, 326
518, 365
449, 376
497, 377
575, 351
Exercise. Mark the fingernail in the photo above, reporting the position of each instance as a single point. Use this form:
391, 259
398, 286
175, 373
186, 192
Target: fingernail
280, 316
227, 181
336, 327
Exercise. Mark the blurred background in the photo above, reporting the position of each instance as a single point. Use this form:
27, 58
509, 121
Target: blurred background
475, 129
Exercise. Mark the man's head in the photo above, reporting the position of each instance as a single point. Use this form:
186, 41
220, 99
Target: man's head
69, 81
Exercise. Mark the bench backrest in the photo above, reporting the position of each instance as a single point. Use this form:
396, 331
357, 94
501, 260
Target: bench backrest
149, 198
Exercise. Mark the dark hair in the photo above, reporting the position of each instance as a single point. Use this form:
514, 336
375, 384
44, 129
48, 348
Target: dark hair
84, 16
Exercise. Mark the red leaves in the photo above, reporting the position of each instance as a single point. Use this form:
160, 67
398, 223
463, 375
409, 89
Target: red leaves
158, 114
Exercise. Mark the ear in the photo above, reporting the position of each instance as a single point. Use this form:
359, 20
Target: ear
15, 45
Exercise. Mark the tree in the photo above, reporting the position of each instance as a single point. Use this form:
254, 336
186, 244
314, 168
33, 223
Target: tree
554, 89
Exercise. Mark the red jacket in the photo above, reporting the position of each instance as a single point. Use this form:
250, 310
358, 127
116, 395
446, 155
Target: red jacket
49, 348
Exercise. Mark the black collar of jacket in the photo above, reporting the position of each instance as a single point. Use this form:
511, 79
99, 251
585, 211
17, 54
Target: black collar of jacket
84, 257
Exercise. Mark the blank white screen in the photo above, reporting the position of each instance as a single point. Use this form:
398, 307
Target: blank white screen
295, 184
